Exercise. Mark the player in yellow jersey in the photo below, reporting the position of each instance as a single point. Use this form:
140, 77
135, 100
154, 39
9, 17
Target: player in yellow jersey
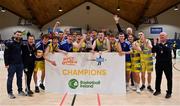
81, 47
136, 64
39, 61
146, 60
101, 44
113, 43
52, 48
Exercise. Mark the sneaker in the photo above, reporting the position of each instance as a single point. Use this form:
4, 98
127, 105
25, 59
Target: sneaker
168, 96
21, 93
133, 88
42, 86
29, 94
138, 90
127, 88
150, 89
37, 89
30, 91
142, 87
157, 93
11, 96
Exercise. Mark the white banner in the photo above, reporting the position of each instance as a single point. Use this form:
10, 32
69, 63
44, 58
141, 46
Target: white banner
85, 73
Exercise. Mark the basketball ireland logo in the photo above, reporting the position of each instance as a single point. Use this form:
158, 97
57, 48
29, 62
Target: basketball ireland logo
73, 83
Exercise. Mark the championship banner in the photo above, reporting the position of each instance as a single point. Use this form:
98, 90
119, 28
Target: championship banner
85, 73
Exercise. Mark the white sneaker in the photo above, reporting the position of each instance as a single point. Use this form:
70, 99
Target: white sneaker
11, 96
138, 90
133, 88
127, 88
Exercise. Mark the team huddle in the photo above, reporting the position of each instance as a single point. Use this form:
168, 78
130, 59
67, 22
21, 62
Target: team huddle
30, 57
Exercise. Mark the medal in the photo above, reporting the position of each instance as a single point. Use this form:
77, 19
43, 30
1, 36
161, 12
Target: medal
30, 51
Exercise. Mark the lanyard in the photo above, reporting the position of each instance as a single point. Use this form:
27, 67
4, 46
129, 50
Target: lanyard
30, 51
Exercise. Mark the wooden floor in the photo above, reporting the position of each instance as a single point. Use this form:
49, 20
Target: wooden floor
130, 99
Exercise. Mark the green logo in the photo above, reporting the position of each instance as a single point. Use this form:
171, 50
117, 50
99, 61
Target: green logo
73, 83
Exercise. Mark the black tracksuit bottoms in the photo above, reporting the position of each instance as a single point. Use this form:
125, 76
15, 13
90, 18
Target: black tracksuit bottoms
165, 67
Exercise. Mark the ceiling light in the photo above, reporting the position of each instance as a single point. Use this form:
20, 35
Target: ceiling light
176, 8
3, 10
60, 9
118, 8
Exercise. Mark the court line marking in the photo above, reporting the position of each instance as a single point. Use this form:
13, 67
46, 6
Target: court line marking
175, 67
63, 99
99, 100
73, 101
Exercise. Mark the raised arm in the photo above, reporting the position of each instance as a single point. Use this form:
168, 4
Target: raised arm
116, 18
56, 25
80, 43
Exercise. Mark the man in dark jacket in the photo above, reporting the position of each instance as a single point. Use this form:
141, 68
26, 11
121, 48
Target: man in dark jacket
28, 55
13, 63
162, 48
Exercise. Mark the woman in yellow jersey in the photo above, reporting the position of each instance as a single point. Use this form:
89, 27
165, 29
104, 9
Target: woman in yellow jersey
146, 60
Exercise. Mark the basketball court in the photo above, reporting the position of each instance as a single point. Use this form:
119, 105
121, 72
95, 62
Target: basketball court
56, 99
